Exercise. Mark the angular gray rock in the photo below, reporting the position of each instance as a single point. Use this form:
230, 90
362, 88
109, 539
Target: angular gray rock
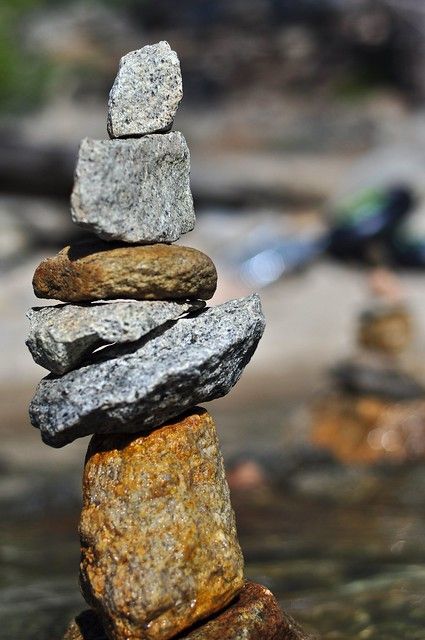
139, 387
61, 336
134, 190
146, 92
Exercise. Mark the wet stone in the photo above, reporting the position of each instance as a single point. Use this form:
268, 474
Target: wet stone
137, 191
253, 615
141, 386
146, 93
96, 270
62, 336
159, 549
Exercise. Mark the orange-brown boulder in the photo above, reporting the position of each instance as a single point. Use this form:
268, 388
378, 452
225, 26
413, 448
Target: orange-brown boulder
159, 549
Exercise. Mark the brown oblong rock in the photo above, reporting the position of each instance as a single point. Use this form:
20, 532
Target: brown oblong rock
253, 615
96, 270
159, 549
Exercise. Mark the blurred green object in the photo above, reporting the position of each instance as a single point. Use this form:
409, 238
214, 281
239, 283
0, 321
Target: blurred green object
24, 76
365, 216
355, 208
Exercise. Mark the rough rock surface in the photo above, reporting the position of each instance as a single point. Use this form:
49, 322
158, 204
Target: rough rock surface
134, 190
146, 92
142, 385
96, 270
253, 615
62, 336
159, 549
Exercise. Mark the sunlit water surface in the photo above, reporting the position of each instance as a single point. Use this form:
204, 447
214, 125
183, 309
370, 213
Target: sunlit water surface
343, 568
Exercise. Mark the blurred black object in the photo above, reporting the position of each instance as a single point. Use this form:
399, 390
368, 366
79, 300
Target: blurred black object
408, 245
381, 381
358, 224
36, 170
373, 214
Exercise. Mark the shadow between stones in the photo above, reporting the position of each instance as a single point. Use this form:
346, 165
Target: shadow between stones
102, 443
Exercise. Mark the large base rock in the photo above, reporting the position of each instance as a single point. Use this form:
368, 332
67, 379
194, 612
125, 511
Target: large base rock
159, 549
254, 615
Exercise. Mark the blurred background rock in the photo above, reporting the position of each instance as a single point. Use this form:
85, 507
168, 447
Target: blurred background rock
290, 108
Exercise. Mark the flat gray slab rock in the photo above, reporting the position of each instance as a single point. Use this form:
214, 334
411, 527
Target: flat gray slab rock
62, 336
134, 190
136, 388
146, 93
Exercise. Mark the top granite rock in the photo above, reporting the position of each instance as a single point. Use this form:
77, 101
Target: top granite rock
146, 92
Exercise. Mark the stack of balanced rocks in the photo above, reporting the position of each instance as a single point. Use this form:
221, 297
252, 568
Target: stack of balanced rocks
131, 353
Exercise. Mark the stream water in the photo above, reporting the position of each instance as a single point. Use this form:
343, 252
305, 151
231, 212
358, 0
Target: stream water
344, 568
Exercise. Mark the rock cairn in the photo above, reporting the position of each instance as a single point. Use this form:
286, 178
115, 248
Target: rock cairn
131, 353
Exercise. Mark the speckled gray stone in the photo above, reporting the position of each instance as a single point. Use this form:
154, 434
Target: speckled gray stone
62, 336
197, 359
146, 92
134, 190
